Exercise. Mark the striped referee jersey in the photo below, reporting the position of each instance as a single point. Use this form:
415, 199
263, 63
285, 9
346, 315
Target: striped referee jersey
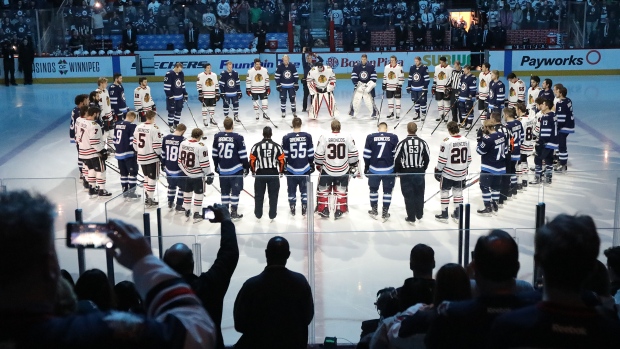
412, 155
267, 155
455, 79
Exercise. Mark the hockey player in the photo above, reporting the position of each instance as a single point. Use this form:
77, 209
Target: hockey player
125, 155
492, 148
170, 165
195, 164
379, 167
257, 87
143, 99
497, 93
230, 90
147, 143
321, 82
451, 171
117, 97
208, 93
516, 90
230, 161
364, 78
547, 133
266, 163
417, 85
92, 151
174, 87
566, 124
533, 92
287, 83
299, 155
547, 91
393, 79
528, 123
336, 158
515, 130
483, 89
441, 88
467, 94
80, 102
107, 119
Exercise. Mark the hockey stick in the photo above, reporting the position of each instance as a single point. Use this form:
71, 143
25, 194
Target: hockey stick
414, 103
351, 112
475, 122
466, 116
380, 107
162, 119
192, 114
216, 125
425, 114
255, 101
467, 185
442, 117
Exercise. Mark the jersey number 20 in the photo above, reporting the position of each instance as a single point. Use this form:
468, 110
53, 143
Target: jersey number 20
459, 155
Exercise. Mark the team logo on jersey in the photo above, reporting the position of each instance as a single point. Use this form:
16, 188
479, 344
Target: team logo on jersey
491, 94
512, 92
416, 77
287, 74
441, 75
177, 83
483, 83
258, 78
231, 83
463, 86
107, 101
147, 98
391, 75
209, 82
364, 75
322, 79
530, 99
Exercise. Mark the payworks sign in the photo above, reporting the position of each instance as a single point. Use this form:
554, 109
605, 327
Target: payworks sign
577, 61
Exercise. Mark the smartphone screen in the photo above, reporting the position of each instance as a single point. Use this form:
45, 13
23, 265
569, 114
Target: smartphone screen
207, 213
88, 235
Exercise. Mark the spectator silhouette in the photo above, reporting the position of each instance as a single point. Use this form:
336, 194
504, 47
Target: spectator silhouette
94, 286
128, 298
613, 265
421, 287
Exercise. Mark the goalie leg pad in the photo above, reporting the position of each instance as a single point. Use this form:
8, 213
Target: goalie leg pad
340, 190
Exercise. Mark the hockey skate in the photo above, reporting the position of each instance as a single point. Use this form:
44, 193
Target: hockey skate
92, 192
197, 217
150, 203
103, 192
410, 221
519, 187
187, 214
456, 215
487, 211
385, 215
338, 214
548, 180
439, 118
283, 115
537, 181
292, 210
237, 118
351, 113
524, 184
397, 116
294, 114
304, 210
324, 213
496, 207
234, 215
561, 169
85, 184
373, 212
416, 117
212, 121
171, 205
375, 112
443, 216
172, 128
391, 115
131, 194
179, 209
267, 117
204, 122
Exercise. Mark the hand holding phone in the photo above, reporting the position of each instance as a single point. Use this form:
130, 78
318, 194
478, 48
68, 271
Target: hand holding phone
217, 213
130, 246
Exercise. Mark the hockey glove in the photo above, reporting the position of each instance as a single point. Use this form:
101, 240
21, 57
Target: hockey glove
209, 179
384, 87
217, 95
268, 91
201, 99
185, 98
296, 86
353, 171
447, 89
248, 92
239, 95
408, 89
506, 104
312, 169
437, 175
163, 167
103, 154
279, 88
154, 107
519, 101
246, 172
366, 170
318, 168
434, 89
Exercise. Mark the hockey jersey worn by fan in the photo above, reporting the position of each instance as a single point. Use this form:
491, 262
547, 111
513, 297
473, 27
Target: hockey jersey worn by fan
105, 104
564, 113
441, 77
528, 123
147, 142
229, 153
336, 153
143, 99
393, 77
483, 87
88, 136
467, 88
123, 140
515, 128
75, 114
298, 152
229, 83
547, 131
207, 85
257, 80
170, 154
194, 158
516, 92
497, 94
117, 99
174, 85
492, 147
454, 158
532, 94
286, 75
364, 73
321, 81
418, 78
379, 153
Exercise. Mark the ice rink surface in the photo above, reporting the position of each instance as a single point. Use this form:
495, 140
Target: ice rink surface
346, 261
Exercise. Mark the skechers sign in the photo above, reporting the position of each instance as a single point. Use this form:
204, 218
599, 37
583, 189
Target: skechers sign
564, 60
194, 64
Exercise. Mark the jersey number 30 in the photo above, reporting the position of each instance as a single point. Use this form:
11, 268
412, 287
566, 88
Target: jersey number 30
337, 151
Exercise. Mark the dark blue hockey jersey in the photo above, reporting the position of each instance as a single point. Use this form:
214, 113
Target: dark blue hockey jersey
170, 154
379, 152
229, 83
564, 112
548, 131
229, 153
497, 93
492, 147
174, 85
123, 140
515, 128
418, 78
117, 98
286, 75
299, 152
467, 87
547, 94
75, 113
363, 73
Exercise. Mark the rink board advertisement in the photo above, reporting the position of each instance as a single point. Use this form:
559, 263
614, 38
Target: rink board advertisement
556, 62
83, 67
194, 64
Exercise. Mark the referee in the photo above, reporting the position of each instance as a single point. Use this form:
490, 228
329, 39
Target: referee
410, 162
454, 82
266, 163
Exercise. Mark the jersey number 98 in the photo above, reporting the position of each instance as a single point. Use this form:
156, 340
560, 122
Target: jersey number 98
188, 159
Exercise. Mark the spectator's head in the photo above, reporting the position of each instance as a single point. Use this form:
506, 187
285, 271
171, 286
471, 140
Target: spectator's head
534, 81
422, 260
306, 31
277, 251
180, 258
94, 286
256, 63
66, 302
67, 276
566, 250
387, 302
127, 297
613, 262
451, 284
335, 125
335, 6
228, 124
598, 281
190, 24
128, 26
547, 83
496, 260
486, 27
412, 128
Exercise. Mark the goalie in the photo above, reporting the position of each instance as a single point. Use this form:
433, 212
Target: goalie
321, 83
364, 78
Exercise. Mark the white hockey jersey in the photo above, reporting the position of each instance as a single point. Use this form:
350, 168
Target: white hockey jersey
393, 77
532, 94
147, 140
321, 81
207, 85
104, 104
529, 124
142, 98
441, 77
336, 153
484, 82
194, 158
88, 137
257, 80
454, 157
516, 92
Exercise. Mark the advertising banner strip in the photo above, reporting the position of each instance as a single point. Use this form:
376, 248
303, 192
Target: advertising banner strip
566, 62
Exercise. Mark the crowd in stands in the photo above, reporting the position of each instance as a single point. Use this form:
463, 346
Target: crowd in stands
483, 305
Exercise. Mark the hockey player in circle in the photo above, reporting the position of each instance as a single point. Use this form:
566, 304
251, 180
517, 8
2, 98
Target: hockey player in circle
287, 84
230, 90
208, 93
417, 85
257, 87
174, 87
321, 83
393, 79
364, 78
